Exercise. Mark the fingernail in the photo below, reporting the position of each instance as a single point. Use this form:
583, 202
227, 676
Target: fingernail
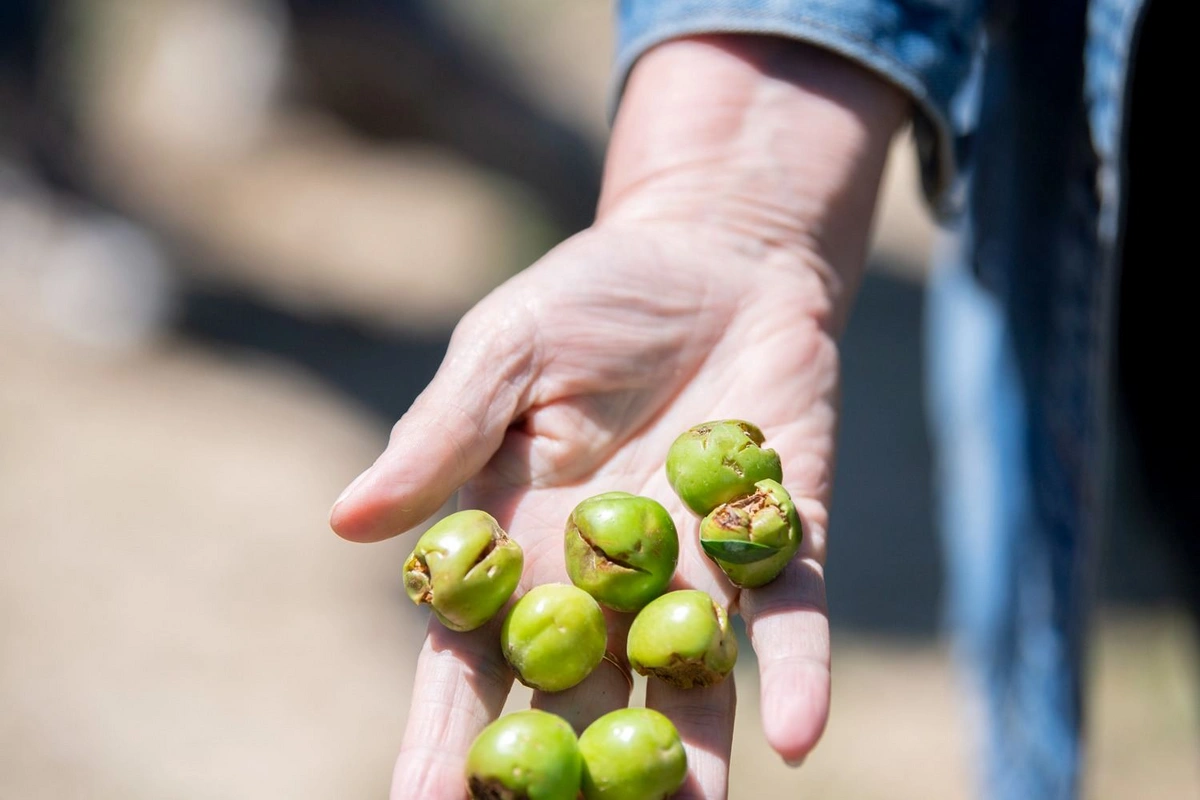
349, 490
794, 762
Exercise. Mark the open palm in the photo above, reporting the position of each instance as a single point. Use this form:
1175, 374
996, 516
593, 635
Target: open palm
573, 379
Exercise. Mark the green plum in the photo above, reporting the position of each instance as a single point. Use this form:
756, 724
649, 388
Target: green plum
632, 754
716, 462
621, 549
554, 636
528, 755
683, 638
465, 567
754, 537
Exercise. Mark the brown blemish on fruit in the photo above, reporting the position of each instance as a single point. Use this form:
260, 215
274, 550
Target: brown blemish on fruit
684, 673
601, 560
753, 503
416, 580
492, 789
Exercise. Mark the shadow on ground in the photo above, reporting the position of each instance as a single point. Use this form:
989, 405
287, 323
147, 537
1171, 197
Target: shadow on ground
885, 561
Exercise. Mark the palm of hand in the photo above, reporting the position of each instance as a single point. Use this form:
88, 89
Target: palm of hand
571, 380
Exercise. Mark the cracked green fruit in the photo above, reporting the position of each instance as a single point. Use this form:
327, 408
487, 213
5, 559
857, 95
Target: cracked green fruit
632, 754
720, 461
554, 636
684, 639
528, 755
621, 549
465, 567
754, 537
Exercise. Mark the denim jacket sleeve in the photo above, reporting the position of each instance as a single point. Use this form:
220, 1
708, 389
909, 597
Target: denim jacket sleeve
925, 47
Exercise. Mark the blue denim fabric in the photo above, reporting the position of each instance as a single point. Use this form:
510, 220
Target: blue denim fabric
1020, 121
923, 46
1022, 266
999, 590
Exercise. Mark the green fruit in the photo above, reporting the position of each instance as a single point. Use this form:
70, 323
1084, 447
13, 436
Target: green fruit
621, 549
684, 639
529, 755
554, 636
465, 567
720, 461
632, 754
754, 537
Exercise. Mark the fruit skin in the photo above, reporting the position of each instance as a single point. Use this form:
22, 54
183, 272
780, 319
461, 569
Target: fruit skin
632, 754
621, 549
465, 567
527, 755
684, 639
554, 636
753, 538
715, 462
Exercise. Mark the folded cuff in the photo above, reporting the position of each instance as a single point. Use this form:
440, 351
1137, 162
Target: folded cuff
922, 48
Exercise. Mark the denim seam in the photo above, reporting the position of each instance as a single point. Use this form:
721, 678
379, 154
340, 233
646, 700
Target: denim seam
819, 33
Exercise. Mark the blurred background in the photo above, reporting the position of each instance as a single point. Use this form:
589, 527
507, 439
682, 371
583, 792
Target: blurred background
234, 238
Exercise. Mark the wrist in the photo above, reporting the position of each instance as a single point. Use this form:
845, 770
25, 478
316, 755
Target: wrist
771, 146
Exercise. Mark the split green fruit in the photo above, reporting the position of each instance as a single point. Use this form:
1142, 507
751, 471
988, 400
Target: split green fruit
754, 537
528, 755
621, 549
465, 567
632, 754
554, 636
684, 639
716, 462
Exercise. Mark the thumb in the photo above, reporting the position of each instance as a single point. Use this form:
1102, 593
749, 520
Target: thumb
450, 432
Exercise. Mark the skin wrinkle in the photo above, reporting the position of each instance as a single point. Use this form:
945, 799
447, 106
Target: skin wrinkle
681, 381
637, 376
740, 235
701, 716
462, 451
553, 448
526, 301
482, 337
547, 552
424, 768
485, 667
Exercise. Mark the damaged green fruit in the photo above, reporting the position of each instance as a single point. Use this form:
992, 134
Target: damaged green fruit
554, 636
465, 567
528, 755
632, 754
621, 549
683, 638
754, 537
716, 462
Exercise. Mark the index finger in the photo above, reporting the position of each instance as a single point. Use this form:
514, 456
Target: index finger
460, 686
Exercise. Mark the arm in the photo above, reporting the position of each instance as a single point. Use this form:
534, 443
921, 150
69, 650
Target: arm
732, 227
775, 146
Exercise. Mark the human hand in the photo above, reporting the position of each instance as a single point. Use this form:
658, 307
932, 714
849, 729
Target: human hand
574, 378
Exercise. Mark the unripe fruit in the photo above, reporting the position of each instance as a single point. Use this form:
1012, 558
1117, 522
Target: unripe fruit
754, 537
528, 755
465, 567
715, 462
632, 754
621, 549
684, 639
554, 636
